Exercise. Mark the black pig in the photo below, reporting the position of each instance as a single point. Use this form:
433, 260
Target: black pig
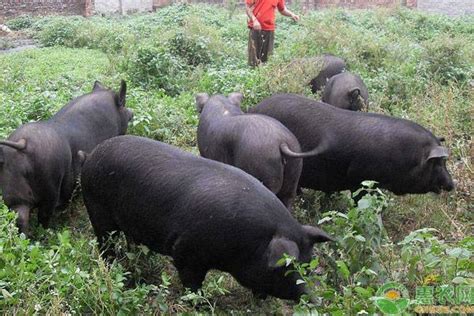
257, 144
401, 155
203, 213
346, 91
38, 161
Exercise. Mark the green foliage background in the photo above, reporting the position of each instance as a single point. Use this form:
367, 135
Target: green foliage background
416, 66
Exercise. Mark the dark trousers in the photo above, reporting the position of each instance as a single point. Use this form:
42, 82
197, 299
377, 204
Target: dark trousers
260, 46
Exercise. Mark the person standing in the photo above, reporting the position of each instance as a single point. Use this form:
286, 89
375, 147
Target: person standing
261, 24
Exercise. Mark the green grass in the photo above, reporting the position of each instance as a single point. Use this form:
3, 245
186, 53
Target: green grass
416, 66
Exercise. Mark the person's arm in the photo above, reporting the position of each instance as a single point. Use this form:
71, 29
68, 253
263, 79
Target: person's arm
249, 10
290, 14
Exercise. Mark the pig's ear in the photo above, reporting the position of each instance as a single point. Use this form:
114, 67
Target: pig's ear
121, 95
98, 86
279, 246
438, 152
236, 98
201, 99
354, 94
316, 235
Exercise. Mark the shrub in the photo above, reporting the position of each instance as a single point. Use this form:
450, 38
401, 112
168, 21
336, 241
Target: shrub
20, 23
59, 32
193, 50
365, 259
154, 66
447, 59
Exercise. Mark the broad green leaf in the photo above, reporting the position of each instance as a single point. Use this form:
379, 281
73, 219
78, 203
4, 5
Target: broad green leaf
363, 292
342, 267
314, 263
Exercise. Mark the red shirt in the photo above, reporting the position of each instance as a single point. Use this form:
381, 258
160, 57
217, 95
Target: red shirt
264, 11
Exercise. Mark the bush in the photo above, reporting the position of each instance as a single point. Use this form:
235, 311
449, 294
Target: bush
20, 23
446, 59
60, 32
194, 51
154, 66
345, 279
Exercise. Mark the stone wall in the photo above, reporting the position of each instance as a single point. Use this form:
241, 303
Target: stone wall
10, 8
449, 7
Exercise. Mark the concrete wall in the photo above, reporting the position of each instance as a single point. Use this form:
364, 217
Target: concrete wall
122, 6
137, 5
106, 6
449, 7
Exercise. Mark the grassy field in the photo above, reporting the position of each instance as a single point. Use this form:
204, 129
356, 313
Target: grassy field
416, 66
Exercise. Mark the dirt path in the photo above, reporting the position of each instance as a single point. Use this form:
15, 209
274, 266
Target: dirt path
11, 42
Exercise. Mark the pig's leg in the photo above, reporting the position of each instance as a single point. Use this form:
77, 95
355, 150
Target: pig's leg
191, 271
191, 277
104, 227
67, 188
291, 176
51, 192
267, 171
45, 212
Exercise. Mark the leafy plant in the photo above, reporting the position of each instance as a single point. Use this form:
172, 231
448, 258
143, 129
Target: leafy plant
21, 22
158, 68
194, 51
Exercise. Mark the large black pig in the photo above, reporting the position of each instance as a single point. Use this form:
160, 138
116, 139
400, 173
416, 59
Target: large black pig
257, 144
203, 213
401, 155
38, 161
